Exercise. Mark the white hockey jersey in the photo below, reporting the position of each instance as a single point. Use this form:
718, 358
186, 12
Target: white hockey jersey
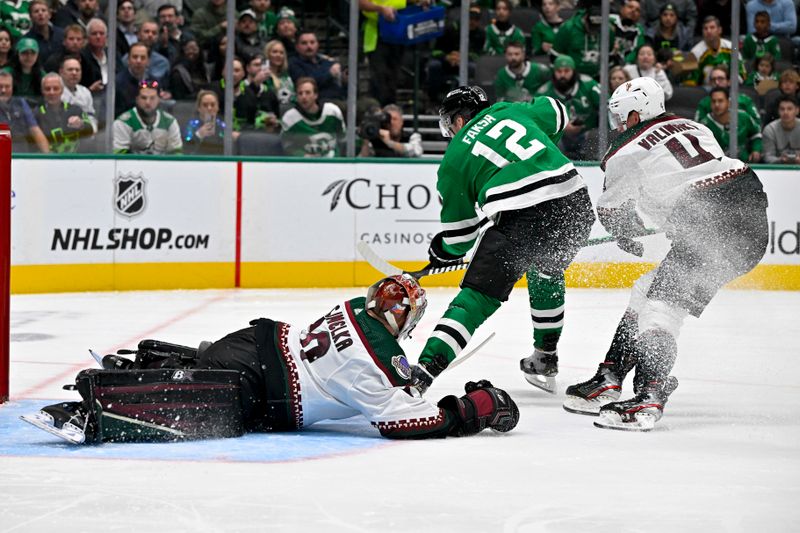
345, 364
656, 161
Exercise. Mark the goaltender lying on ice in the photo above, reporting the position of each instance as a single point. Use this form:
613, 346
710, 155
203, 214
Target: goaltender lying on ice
273, 376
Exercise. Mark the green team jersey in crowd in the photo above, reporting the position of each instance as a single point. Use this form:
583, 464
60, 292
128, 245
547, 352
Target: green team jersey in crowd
266, 27
754, 47
511, 87
15, 18
496, 40
573, 40
318, 135
746, 104
707, 59
133, 136
505, 158
627, 39
748, 137
755, 78
582, 101
543, 32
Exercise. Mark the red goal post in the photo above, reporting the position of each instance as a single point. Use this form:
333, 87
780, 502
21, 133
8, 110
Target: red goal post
5, 258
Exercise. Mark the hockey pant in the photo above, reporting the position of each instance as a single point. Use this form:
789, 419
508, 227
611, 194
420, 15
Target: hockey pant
540, 241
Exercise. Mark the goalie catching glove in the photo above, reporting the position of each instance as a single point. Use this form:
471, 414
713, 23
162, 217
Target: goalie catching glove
437, 255
484, 406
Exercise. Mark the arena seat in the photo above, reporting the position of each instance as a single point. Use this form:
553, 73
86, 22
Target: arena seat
684, 101
486, 68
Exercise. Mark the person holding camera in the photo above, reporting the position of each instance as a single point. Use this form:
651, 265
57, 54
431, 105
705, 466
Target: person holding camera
383, 136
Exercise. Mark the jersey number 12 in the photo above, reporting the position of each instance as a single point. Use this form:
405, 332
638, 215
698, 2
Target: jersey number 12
512, 143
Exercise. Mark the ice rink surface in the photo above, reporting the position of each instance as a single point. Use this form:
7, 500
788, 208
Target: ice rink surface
725, 457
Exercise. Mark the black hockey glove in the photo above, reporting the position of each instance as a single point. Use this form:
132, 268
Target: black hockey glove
624, 223
483, 406
437, 255
630, 246
422, 374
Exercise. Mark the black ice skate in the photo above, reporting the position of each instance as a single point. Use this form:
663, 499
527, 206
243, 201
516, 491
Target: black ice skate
540, 369
588, 397
641, 412
65, 420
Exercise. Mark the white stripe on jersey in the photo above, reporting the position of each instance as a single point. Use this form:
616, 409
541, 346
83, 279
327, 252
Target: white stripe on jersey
561, 113
458, 326
461, 224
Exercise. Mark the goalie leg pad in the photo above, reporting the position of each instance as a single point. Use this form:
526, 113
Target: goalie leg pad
161, 405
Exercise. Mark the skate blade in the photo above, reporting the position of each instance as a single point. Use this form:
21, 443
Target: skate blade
547, 384
68, 432
611, 420
581, 406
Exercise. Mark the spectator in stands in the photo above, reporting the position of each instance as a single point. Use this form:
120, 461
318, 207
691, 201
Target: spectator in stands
74, 40
145, 129
646, 66
126, 26
718, 121
384, 59
75, 93
189, 75
159, 66
6, 47
327, 74
95, 57
782, 136
26, 69
763, 70
15, 18
581, 96
130, 78
310, 129
391, 141
616, 77
249, 106
721, 10
286, 30
64, 125
208, 22
49, 37
501, 30
279, 81
719, 78
782, 14
519, 80
255, 82
149, 8
713, 50
579, 38
543, 33
761, 41
248, 41
686, 10
789, 85
629, 33
77, 12
14, 111
205, 133
669, 32
170, 34
443, 66
265, 18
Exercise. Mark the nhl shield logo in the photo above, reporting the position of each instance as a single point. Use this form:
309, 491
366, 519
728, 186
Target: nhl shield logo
129, 198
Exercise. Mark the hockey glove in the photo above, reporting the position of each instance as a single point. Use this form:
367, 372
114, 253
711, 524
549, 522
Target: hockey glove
438, 257
630, 246
422, 374
483, 406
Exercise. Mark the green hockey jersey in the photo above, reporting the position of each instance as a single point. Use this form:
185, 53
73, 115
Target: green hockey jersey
708, 58
317, 135
496, 39
748, 137
505, 158
582, 101
746, 104
754, 47
133, 136
543, 32
512, 87
15, 18
573, 40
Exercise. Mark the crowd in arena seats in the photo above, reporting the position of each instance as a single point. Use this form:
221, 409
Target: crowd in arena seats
290, 85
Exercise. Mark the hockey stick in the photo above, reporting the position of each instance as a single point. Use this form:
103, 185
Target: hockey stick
387, 269
470, 353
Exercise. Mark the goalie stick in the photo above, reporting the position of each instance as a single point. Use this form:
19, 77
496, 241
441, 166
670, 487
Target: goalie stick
386, 268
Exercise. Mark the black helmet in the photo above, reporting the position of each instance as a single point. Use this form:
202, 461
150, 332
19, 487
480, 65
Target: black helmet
464, 101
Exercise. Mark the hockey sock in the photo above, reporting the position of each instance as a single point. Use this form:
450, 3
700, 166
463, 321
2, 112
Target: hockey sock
657, 353
546, 294
468, 310
622, 352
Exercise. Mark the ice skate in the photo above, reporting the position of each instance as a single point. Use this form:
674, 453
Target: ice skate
65, 420
540, 369
641, 412
588, 397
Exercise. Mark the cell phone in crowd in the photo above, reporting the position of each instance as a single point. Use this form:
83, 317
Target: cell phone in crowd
265, 65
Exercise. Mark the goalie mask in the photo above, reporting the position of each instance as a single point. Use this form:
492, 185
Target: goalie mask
643, 95
464, 101
399, 302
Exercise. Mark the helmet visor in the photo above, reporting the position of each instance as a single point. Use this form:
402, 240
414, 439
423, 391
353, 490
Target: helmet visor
615, 120
444, 125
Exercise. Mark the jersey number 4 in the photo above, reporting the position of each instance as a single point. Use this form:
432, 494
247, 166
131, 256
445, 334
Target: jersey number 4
512, 143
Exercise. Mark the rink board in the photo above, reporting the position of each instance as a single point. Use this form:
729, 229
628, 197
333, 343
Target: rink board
115, 223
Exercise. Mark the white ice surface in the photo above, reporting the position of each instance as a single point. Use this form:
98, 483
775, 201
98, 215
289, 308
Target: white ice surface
725, 457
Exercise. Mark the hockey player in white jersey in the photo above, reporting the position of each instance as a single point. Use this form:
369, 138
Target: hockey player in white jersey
713, 210
274, 376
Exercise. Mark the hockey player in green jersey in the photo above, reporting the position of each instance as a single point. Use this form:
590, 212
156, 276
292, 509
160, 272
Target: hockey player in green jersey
504, 159
519, 79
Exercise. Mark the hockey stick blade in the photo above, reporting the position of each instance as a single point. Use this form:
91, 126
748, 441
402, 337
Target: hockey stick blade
610, 238
388, 269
